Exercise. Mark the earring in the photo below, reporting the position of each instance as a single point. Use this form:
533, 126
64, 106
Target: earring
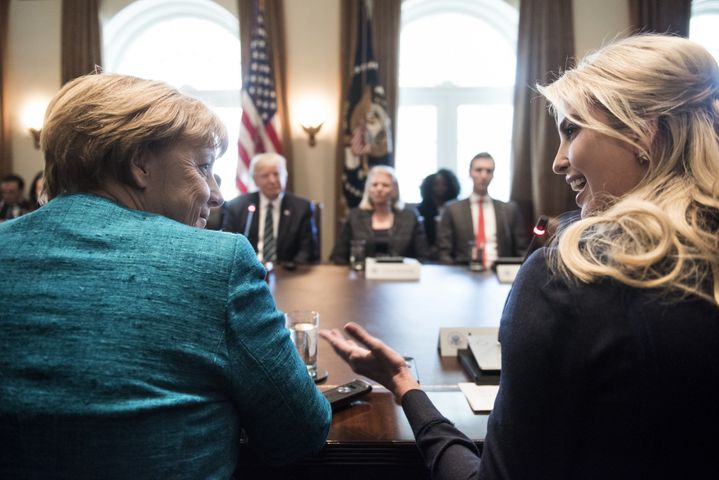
643, 158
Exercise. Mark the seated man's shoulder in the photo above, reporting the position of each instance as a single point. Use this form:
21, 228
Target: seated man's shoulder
297, 200
508, 203
508, 206
242, 200
455, 205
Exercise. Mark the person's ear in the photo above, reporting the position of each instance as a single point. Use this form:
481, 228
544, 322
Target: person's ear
139, 172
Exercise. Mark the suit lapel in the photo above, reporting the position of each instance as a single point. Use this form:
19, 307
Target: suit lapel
502, 228
285, 219
467, 225
255, 227
367, 222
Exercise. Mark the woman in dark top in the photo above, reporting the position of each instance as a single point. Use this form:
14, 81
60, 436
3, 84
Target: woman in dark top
36, 188
610, 337
382, 221
436, 190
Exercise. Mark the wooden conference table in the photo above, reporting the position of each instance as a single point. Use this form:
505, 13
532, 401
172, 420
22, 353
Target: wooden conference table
373, 436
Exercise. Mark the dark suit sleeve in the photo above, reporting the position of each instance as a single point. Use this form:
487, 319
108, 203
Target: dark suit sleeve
535, 424
419, 240
520, 236
231, 221
446, 451
341, 251
305, 253
444, 237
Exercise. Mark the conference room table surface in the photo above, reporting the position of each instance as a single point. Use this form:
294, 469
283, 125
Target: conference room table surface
407, 315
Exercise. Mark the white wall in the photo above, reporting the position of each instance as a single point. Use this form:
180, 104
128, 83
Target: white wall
598, 22
33, 74
312, 66
313, 72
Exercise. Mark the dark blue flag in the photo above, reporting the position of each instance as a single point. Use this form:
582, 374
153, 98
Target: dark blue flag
366, 124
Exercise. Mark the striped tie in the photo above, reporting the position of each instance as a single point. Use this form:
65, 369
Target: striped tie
269, 249
480, 239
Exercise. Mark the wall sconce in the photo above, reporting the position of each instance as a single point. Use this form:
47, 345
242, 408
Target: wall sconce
312, 131
32, 118
35, 133
311, 113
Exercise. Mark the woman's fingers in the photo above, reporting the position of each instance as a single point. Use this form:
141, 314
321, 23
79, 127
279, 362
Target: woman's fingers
384, 353
342, 346
363, 336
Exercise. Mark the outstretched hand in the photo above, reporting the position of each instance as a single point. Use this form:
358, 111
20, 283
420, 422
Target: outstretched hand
378, 361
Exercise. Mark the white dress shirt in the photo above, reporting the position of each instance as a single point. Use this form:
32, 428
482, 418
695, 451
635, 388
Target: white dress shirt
264, 201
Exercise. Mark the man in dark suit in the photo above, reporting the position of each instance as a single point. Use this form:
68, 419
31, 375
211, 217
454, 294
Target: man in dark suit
279, 225
12, 204
503, 232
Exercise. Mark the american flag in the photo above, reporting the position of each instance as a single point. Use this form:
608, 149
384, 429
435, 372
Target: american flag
258, 132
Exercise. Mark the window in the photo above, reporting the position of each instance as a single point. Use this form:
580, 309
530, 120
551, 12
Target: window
704, 25
456, 81
194, 46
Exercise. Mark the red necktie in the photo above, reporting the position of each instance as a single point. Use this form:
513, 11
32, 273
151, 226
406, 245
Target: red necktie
480, 240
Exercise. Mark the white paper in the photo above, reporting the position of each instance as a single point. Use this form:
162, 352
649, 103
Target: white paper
486, 350
506, 273
480, 397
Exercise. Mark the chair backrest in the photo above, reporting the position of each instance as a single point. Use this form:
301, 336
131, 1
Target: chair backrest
412, 206
317, 229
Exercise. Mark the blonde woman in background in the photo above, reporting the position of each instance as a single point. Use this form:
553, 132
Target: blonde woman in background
610, 337
382, 221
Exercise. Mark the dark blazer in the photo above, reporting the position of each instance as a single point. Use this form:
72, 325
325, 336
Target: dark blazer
297, 232
7, 213
456, 230
591, 374
406, 237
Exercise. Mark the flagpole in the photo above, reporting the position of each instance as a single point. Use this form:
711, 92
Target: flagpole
363, 39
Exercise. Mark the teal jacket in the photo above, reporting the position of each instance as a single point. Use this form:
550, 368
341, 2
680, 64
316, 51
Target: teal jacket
132, 346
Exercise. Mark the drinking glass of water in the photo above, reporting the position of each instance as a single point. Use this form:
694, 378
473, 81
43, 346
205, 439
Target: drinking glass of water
357, 254
304, 328
476, 256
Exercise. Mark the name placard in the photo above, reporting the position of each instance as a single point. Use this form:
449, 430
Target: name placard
407, 269
452, 338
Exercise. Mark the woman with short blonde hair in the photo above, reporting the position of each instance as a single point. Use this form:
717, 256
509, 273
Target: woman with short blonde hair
136, 343
100, 124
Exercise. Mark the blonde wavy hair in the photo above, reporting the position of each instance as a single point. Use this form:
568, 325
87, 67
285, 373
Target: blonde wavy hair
98, 124
660, 95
